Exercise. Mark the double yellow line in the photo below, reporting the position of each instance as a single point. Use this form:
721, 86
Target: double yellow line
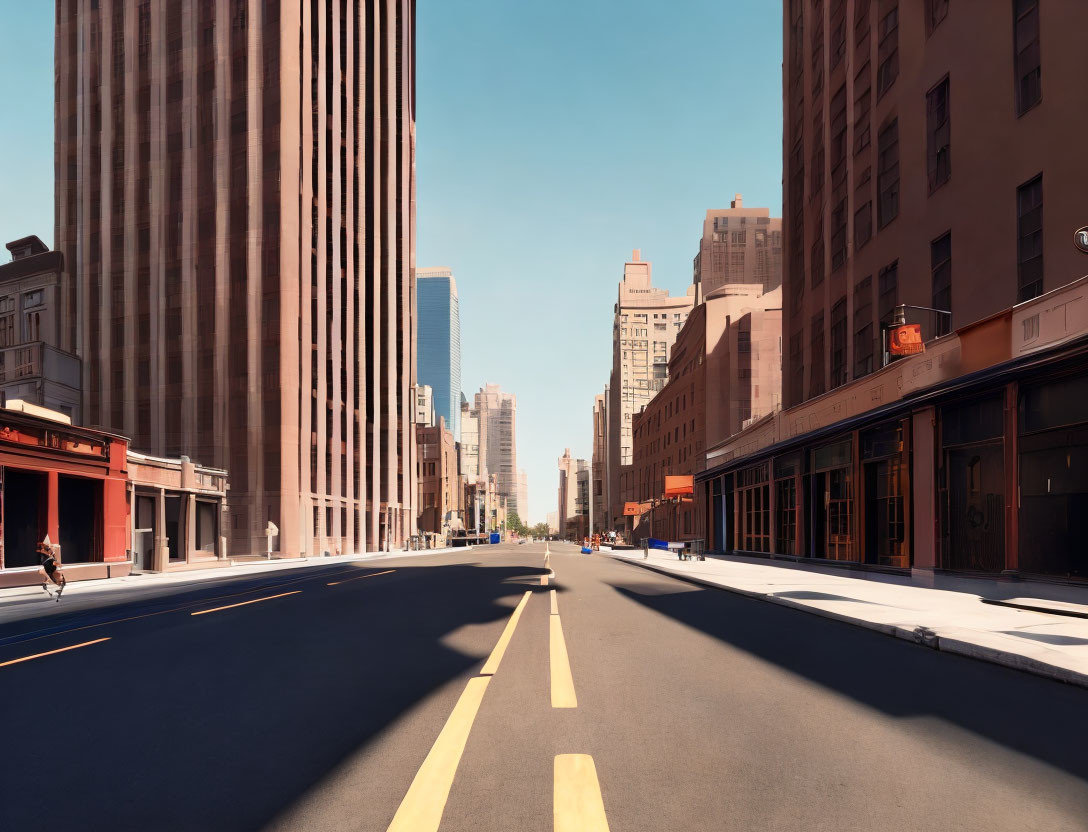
425, 801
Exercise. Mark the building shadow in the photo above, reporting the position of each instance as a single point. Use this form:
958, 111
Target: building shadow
1038, 717
224, 721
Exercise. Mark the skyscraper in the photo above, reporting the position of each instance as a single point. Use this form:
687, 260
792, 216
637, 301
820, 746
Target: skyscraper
644, 327
235, 203
496, 413
739, 245
438, 340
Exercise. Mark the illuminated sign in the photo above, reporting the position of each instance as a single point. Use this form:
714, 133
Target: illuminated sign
906, 340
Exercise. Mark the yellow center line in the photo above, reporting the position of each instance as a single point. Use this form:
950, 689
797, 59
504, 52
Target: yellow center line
492, 664
422, 807
555, 603
244, 603
371, 575
52, 652
562, 680
577, 803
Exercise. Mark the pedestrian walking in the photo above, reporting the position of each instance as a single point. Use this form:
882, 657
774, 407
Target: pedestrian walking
50, 570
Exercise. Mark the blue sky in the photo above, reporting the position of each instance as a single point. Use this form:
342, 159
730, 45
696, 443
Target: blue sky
553, 138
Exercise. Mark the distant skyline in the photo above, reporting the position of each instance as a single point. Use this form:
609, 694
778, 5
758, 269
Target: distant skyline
552, 140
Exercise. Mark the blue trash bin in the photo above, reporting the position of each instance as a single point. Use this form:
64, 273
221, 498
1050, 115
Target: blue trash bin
495, 537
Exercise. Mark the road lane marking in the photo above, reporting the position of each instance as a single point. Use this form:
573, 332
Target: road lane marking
577, 803
38, 635
562, 680
543, 580
371, 575
555, 603
493, 660
422, 807
245, 603
52, 652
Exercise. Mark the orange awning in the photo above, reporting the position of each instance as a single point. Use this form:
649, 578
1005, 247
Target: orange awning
679, 486
635, 509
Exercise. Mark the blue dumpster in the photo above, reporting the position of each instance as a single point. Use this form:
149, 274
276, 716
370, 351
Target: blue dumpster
495, 537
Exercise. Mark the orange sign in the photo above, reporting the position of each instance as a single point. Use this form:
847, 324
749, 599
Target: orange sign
679, 486
635, 509
906, 340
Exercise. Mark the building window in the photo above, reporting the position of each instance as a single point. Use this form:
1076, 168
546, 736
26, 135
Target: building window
938, 136
817, 258
838, 343
863, 327
838, 137
1029, 71
940, 257
887, 52
7, 321
863, 103
816, 382
863, 225
887, 175
1029, 229
838, 236
888, 281
936, 11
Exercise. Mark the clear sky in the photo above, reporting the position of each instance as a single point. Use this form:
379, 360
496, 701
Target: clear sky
553, 138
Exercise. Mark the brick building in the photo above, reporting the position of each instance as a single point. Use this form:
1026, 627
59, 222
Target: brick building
930, 159
235, 206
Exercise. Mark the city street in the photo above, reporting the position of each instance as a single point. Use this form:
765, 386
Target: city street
312, 698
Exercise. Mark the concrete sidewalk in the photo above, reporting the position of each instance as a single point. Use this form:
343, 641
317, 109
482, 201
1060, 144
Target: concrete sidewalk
23, 602
1005, 622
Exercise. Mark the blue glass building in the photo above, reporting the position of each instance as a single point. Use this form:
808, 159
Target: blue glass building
438, 344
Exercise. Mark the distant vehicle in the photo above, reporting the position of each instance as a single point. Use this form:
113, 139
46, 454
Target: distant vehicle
522, 541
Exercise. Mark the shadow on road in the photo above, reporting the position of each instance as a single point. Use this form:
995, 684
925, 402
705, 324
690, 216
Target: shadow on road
223, 722
1031, 715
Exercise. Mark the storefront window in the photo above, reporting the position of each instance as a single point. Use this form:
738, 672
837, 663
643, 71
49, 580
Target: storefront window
973, 486
754, 509
833, 497
885, 474
1054, 478
786, 472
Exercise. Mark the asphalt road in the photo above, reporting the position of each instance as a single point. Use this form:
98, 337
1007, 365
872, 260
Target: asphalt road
349, 695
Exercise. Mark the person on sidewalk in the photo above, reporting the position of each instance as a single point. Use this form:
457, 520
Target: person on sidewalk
50, 570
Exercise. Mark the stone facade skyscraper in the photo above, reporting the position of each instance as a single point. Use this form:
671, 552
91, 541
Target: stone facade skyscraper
235, 192
497, 415
645, 323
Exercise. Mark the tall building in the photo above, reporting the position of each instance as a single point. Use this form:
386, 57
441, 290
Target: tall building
424, 406
645, 324
573, 496
497, 415
739, 245
235, 202
881, 209
473, 466
438, 338
725, 372
598, 506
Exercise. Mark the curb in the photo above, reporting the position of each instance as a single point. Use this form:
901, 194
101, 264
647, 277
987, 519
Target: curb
920, 635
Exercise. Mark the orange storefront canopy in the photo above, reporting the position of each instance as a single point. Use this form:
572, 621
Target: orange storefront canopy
636, 509
679, 486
